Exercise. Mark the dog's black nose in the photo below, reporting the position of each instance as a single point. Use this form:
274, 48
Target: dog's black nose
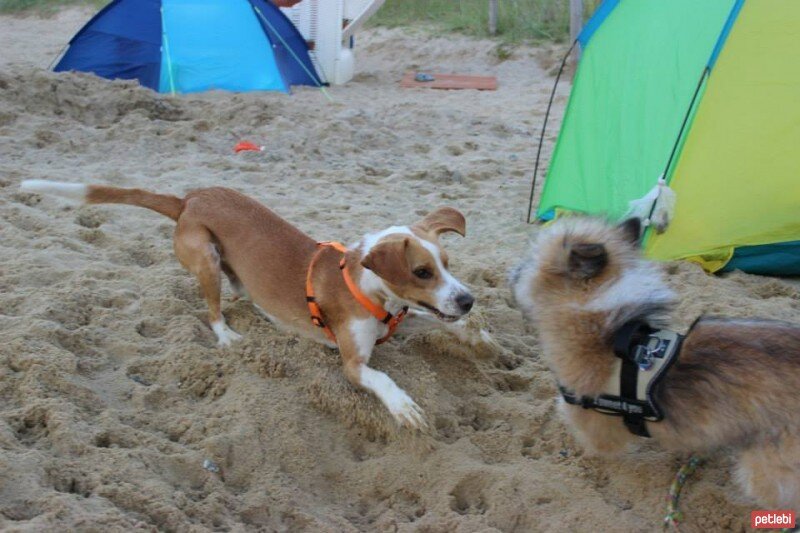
465, 301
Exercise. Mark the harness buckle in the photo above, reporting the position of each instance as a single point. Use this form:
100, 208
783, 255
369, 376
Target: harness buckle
644, 354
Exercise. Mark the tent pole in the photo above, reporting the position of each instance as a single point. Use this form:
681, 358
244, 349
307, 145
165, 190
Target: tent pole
166, 51
544, 128
58, 57
686, 116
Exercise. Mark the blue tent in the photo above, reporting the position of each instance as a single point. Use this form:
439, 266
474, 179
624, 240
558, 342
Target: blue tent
187, 46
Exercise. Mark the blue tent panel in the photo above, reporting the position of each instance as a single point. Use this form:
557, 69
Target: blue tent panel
288, 45
121, 41
216, 45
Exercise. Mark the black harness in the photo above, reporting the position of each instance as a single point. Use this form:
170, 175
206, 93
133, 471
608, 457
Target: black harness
645, 354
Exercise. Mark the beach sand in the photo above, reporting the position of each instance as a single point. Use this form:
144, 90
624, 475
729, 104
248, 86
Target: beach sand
113, 393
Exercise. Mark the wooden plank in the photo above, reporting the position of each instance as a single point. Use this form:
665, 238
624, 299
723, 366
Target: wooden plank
450, 81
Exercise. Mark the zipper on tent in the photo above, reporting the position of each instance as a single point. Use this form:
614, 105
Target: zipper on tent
665, 175
723, 36
682, 129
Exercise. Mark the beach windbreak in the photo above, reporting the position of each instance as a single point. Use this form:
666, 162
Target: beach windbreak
705, 94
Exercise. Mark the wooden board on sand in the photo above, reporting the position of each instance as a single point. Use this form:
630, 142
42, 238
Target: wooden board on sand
451, 81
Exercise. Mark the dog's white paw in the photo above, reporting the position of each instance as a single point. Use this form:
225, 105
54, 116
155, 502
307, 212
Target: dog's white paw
228, 338
405, 411
400, 405
225, 335
470, 334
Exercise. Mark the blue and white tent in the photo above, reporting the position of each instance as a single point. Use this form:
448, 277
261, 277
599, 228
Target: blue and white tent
183, 46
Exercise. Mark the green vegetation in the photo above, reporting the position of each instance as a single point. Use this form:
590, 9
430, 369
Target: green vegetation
43, 6
517, 20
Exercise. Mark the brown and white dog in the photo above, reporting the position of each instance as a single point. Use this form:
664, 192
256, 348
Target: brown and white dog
735, 385
220, 230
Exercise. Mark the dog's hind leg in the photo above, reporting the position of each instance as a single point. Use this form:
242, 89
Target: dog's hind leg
770, 473
197, 252
236, 284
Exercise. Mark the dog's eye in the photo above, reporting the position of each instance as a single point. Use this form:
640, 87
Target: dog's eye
423, 273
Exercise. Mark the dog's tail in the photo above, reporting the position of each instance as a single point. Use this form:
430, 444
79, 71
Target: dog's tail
166, 204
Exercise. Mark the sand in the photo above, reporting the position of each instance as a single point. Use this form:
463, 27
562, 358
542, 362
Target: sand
113, 394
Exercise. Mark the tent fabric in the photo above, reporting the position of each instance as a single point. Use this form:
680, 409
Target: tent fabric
597, 19
732, 169
779, 259
725, 31
636, 78
738, 177
122, 41
213, 44
193, 45
288, 45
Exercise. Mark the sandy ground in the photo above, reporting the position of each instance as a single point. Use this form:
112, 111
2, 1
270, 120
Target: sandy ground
113, 394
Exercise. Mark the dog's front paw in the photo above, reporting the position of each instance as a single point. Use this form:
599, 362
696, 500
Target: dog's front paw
225, 335
471, 332
482, 337
405, 411
228, 338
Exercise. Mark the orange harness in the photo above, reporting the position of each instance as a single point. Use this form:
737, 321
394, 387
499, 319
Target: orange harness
381, 314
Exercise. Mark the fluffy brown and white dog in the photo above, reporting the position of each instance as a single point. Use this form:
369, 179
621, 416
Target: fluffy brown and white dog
735, 385
266, 258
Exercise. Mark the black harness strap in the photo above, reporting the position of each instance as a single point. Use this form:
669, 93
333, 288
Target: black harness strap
608, 404
627, 339
628, 336
637, 345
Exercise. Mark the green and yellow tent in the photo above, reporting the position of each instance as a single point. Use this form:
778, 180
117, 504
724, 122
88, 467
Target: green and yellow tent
707, 95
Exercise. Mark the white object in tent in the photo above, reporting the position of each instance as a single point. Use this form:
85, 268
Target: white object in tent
328, 26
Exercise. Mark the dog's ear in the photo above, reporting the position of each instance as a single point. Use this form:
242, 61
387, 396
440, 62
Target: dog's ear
587, 260
387, 260
443, 220
631, 230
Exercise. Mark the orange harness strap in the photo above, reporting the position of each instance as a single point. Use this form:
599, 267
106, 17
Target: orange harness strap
313, 306
381, 314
